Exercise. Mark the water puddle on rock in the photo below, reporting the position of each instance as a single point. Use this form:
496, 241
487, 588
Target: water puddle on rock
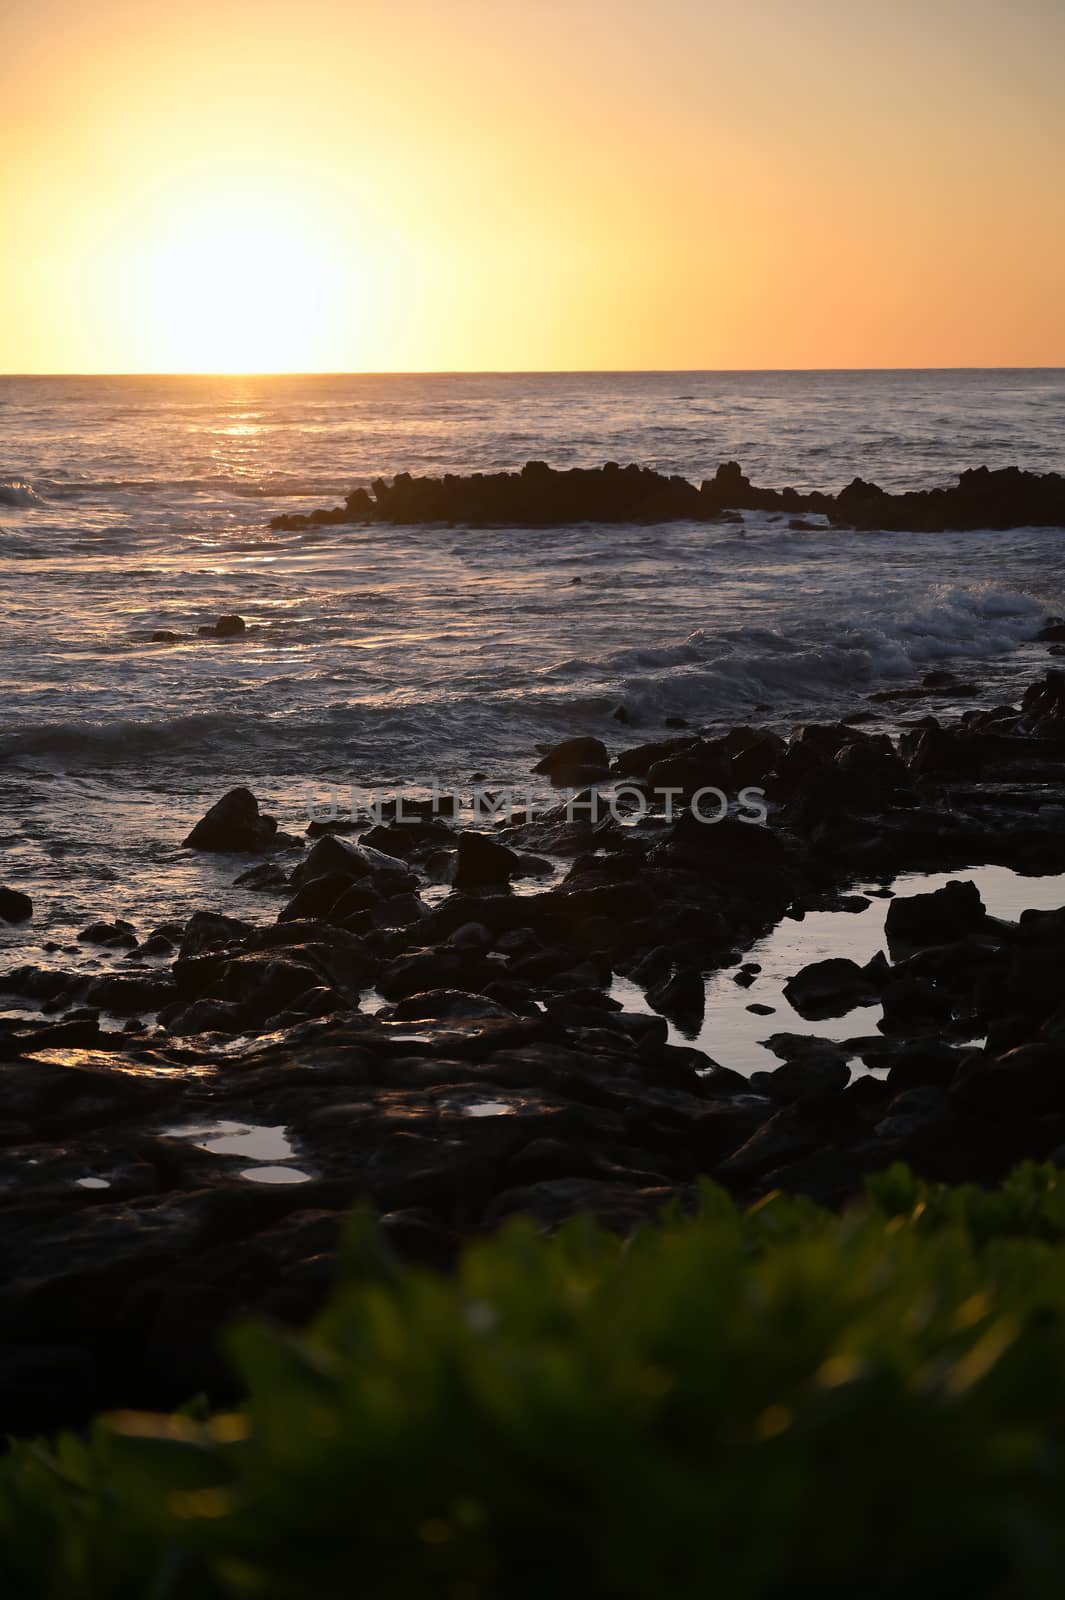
734, 1036
275, 1175
266, 1146
480, 1108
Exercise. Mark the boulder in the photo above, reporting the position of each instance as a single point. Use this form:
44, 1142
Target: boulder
113, 991
938, 918
319, 895
637, 762
1043, 706
812, 1074
263, 879
423, 971
830, 988
1042, 927
332, 856
15, 906
233, 823
913, 1003
204, 1016
209, 930
482, 862
682, 998
116, 935
261, 982
433, 1004
1029, 1078
575, 762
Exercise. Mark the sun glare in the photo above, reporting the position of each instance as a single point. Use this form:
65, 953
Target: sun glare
244, 294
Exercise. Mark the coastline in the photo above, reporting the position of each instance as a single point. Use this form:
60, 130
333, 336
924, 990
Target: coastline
431, 1025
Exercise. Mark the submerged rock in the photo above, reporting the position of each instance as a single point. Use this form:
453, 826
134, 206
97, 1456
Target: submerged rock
227, 627
115, 935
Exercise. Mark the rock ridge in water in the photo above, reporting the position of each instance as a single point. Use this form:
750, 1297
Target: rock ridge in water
544, 496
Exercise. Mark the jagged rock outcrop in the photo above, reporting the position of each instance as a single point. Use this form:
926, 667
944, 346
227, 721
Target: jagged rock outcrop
544, 496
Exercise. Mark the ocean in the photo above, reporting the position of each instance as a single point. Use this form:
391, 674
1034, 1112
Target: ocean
387, 658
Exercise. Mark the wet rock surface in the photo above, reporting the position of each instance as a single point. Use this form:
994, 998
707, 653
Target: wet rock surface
420, 1024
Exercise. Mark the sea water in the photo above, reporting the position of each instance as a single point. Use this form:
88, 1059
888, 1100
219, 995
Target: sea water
389, 657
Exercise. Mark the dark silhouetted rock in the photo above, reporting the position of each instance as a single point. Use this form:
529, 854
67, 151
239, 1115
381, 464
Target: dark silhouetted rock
233, 823
318, 897
227, 627
938, 918
116, 935
682, 998
1006, 498
808, 1075
263, 878
331, 856
830, 988
209, 930
911, 1003
1043, 706
575, 762
433, 1004
482, 862
15, 906
541, 496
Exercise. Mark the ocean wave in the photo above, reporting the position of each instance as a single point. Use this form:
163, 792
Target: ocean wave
802, 667
727, 675
279, 486
125, 739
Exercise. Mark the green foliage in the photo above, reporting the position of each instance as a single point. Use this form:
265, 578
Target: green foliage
762, 1403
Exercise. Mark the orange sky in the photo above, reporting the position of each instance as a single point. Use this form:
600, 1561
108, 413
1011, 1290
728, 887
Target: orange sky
531, 184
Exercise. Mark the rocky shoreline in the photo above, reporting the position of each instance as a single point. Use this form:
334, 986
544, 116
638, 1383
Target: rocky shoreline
423, 1022
543, 496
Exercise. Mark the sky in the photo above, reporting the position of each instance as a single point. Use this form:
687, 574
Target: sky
345, 185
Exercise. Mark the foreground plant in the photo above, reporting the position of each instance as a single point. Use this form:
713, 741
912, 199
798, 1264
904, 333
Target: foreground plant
745, 1404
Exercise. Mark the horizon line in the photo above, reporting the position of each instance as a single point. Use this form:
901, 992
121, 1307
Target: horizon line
525, 372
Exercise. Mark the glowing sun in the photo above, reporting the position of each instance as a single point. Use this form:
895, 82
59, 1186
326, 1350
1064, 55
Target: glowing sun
223, 290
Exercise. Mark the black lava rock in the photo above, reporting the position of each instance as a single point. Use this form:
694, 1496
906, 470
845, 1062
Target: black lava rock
233, 823
15, 906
